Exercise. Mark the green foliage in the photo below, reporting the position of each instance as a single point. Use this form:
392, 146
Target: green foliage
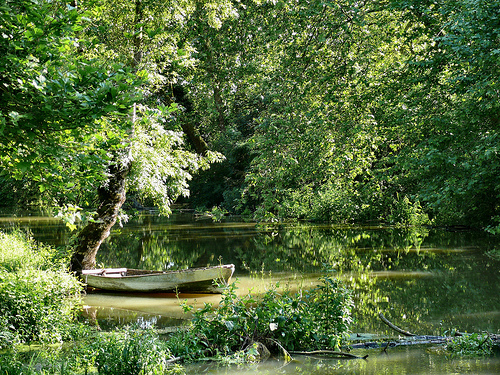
403, 212
133, 352
19, 251
313, 319
13, 365
162, 168
16, 251
374, 101
473, 345
494, 254
36, 306
63, 115
329, 111
125, 351
38, 298
438, 112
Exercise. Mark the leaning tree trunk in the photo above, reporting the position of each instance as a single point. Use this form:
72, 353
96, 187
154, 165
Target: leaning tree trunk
111, 197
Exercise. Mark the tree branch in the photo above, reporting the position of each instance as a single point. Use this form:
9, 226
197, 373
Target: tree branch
397, 329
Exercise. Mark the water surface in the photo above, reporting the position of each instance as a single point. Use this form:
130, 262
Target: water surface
427, 281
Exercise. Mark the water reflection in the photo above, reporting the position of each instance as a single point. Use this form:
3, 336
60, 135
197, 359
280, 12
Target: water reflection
396, 361
423, 280
163, 309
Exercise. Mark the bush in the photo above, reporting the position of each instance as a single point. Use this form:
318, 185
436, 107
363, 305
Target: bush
403, 212
19, 251
133, 352
16, 252
127, 351
38, 299
315, 319
36, 305
12, 365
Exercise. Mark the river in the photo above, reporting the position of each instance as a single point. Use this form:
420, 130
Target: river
428, 281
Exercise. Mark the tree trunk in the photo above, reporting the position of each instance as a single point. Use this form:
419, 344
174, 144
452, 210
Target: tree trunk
139, 14
219, 105
112, 194
195, 139
216, 82
111, 197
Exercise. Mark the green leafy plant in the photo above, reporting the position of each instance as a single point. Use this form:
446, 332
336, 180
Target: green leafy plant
36, 306
283, 321
403, 212
18, 250
133, 351
38, 298
473, 345
494, 253
11, 364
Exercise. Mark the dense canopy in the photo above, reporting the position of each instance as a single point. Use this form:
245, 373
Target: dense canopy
343, 111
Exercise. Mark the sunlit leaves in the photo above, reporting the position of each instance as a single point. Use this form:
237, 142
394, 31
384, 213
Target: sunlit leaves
162, 167
441, 109
61, 114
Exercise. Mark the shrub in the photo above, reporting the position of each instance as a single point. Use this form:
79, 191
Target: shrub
133, 351
36, 305
315, 319
12, 365
127, 351
403, 212
16, 251
37, 297
19, 251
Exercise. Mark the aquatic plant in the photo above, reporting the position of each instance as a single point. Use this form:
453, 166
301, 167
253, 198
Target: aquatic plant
282, 321
473, 345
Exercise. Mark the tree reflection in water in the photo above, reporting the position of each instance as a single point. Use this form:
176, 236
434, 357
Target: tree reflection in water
425, 280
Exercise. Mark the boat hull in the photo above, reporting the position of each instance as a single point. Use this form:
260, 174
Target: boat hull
195, 280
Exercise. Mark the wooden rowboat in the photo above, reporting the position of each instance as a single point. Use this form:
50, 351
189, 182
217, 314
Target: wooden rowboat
193, 280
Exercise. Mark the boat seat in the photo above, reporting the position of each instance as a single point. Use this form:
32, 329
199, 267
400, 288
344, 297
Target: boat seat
108, 272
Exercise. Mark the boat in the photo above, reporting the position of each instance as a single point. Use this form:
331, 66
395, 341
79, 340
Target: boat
191, 280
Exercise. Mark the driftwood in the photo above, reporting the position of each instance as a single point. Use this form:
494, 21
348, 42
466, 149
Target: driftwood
331, 353
414, 340
397, 329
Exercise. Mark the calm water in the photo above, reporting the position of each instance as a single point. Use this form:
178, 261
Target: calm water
426, 281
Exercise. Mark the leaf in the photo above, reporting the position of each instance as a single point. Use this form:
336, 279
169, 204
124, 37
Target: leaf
229, 325
23, 166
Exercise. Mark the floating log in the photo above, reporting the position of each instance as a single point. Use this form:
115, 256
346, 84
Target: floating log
331, 353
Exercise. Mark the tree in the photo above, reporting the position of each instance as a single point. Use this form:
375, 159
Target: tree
65, 117
74, 123
438, 109
344, 111
59, 112
353, 111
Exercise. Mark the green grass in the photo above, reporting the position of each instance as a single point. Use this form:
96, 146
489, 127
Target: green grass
19, 251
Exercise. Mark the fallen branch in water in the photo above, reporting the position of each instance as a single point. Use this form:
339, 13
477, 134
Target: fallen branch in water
331, 353
415, 340
397, 329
